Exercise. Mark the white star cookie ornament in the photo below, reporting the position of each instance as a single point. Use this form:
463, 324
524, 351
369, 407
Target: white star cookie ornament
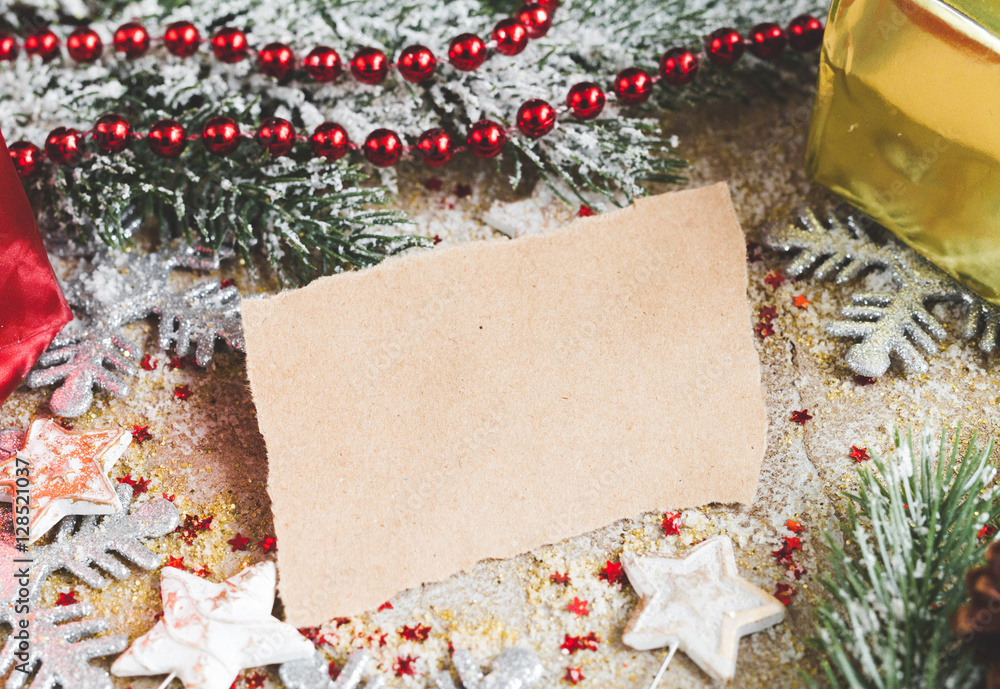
698, 604
211, 632
68, 473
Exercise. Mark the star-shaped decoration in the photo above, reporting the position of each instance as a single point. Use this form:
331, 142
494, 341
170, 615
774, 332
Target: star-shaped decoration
211, 632
698, 603
69, 473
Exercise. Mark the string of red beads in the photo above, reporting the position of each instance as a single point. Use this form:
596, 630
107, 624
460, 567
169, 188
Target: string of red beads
383, 147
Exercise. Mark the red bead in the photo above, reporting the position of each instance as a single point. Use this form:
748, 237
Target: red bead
805, 33
84, 45
383, 148
167, 138
276, 135
221, 135
486, 139
724, 46
276, 60
112, 133
536, 118
369, 66
26, 157
323, 64
64, 146
329, 141
467, 52
586, 100
132, 39
8, 47
42, 43
550, 5
229, 45
536, 19
416, 63
182, 39
678, 66
633, 86
511, 36
767, 41
435, 147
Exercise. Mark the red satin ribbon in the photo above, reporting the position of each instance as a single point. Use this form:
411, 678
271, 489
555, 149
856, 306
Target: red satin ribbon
32, 307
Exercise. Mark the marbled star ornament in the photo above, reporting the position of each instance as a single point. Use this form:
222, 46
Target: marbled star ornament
210, 632
68, 475
699, 604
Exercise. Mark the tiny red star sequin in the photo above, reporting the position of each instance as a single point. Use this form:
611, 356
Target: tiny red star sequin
170, 497
800, 417
559, 578
433, 184
268, 544
574, 675
238, 542
141, 486
311, 633
794, 526
612, 573
67, 598
182, 392
203, 572
775, 278
419, 633
179, 362
255, 681
141, 434
378, 638
671, 523
585, 211
174, 561
578, 607
572, 644
764, 329
859, 454
863, 380
385, 606
227, 283
463, 191
800, 301
986, 532
785, 592
783, 555
404, 666
333, 670
792, 543
768, 313
148, 364
436, 239
795, 571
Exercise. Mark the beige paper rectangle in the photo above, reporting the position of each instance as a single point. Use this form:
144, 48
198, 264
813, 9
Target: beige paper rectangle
487, 399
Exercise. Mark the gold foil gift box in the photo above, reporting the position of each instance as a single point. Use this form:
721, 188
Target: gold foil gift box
907, 126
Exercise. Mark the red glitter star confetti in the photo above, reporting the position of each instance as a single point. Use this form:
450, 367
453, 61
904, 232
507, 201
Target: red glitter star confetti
559, 578
378, 638
203, 572
795, 571
671, 523
859, 454
238, 542
333, 670
178, 362
67, 598
436, 239
255, 681
768, 313
783, 555
433, 184
794, 526
578, 607
148, 364
775, 278
267, 544
182, 392
192, 524
169, 496
585, 211
801, 302
385, 606
612, 573
141, 434
574, 675
863, 380
418, 633
800, 417
572, 644
764, 326
463, 191
986, 532
785, 592
174, 561
228, 282
311, 633
404, 666
765, 330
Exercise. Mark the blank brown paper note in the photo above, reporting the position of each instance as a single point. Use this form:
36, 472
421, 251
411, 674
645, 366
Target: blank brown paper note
481, 401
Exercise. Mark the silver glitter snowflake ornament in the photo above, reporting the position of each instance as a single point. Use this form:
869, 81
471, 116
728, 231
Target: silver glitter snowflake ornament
120, 288
888, 323
314, 673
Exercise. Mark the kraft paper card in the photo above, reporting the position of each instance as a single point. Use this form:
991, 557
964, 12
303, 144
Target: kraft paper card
483, 400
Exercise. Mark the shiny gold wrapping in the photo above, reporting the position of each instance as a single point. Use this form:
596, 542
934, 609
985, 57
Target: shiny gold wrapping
907, 126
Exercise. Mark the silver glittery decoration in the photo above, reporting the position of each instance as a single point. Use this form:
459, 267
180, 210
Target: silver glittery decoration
889, 322
117, 289
57, 655
514, 668
313, 673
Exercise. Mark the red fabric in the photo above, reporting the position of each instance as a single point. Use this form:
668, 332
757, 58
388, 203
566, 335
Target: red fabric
32, 307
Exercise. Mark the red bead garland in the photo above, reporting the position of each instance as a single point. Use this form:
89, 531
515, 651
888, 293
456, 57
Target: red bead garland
536, 19
64, 146
383, 148
8, 47
112, 133
678, 66
767, 41
276, 60
511, 36
221, 135
633, 86
435, 147
42, 43
486, 139
536, 118
329, 141
167, 139
586, 100
276, 135
416, 63
229, 45
323, 64
724, 46
132, 39
84, 45
805, 33
182, 39
26, 157
467, 52
370, 66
